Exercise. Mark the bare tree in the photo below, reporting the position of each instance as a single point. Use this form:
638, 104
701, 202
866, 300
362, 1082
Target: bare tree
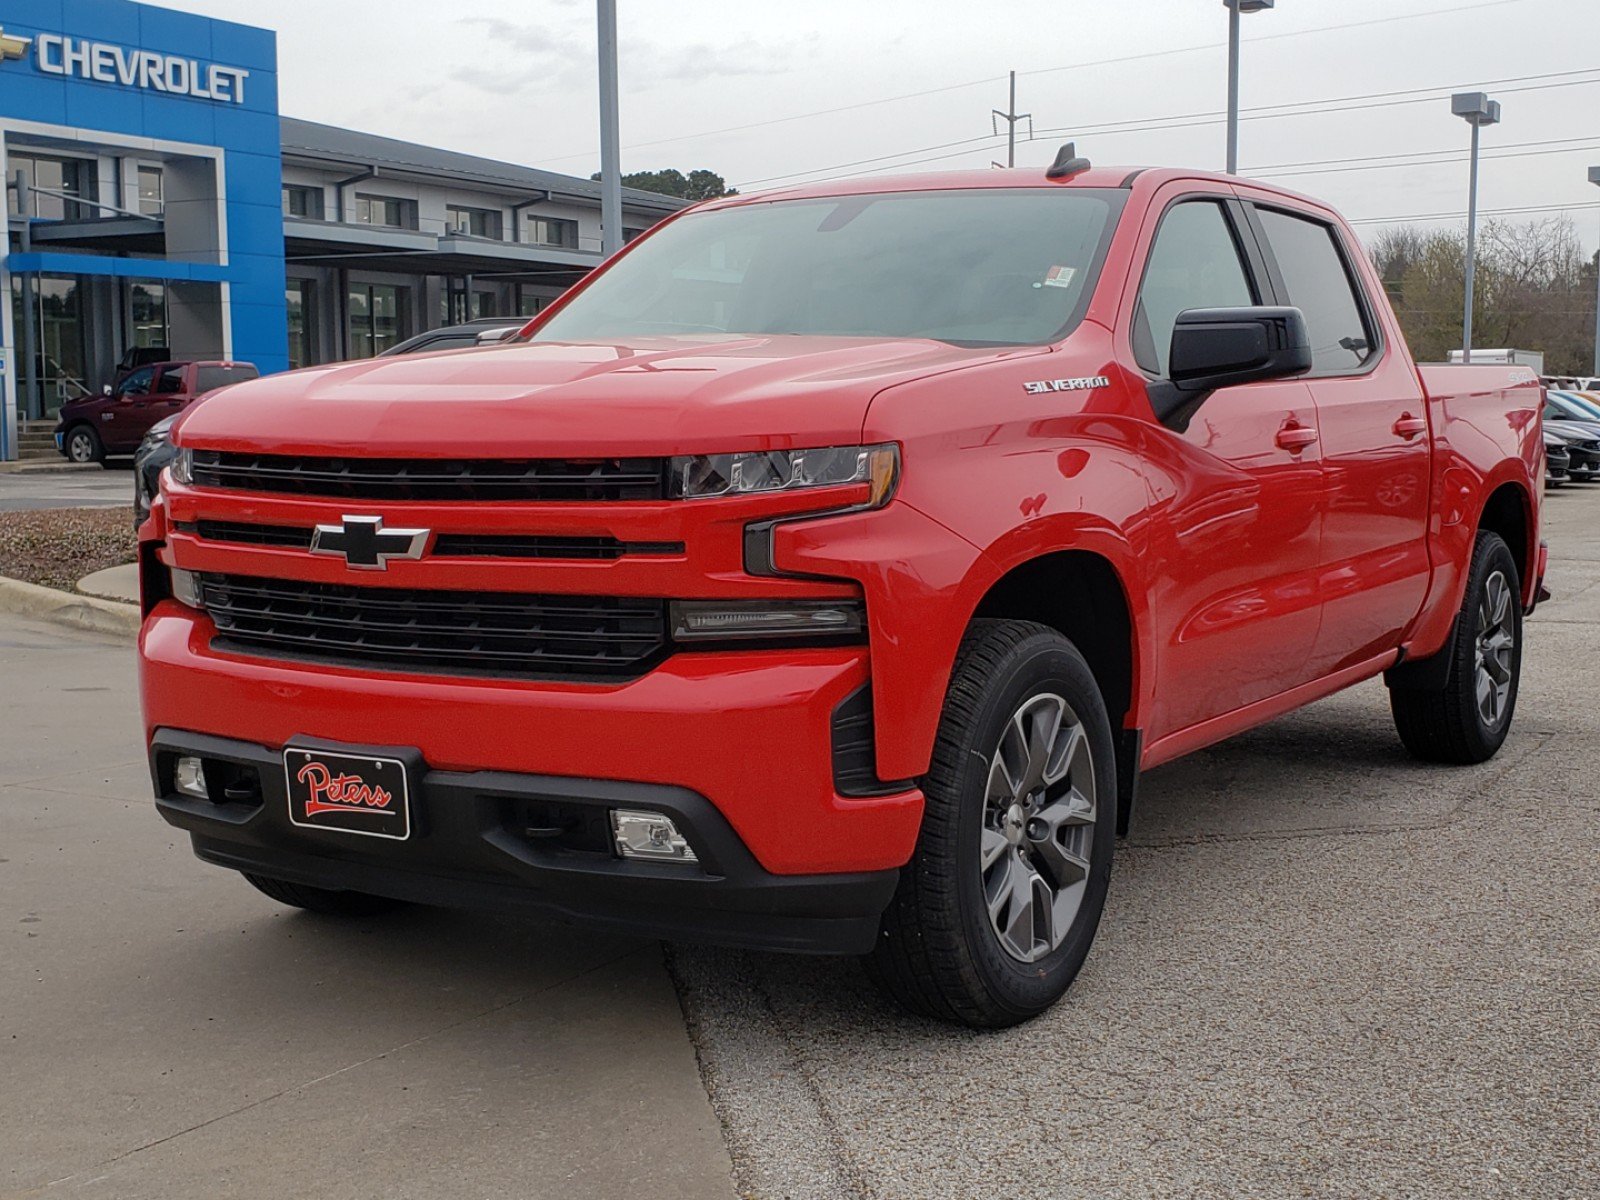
1535, 289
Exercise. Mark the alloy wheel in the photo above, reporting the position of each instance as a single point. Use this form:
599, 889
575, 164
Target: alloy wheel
80, 449
1038, 827
1496, 640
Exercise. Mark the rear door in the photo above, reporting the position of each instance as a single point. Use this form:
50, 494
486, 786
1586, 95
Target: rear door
171, 391
1376, 453
1237, 495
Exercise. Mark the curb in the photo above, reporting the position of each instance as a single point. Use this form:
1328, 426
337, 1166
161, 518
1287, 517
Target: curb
44, 466
67, 608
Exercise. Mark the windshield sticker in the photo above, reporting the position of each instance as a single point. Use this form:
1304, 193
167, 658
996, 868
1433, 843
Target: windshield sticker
1083, 383
1058, 277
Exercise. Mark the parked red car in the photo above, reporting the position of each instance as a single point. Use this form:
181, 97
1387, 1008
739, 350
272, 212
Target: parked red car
821, 573
114, 422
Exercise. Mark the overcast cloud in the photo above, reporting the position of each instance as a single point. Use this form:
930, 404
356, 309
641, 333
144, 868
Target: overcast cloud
715, 83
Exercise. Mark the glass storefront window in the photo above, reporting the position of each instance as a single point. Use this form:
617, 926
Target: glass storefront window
298, 296
64, 177
58, 316
150, 191
377, 317
148, 324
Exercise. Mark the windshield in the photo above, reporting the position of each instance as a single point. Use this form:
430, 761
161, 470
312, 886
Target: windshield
985, 266
1576, 406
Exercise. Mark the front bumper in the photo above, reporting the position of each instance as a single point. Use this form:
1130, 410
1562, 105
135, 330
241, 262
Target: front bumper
747, 734
472, 847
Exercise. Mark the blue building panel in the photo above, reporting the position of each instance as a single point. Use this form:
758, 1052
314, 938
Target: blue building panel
137, 71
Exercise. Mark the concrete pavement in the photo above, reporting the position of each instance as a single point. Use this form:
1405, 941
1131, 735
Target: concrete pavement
166, 1031
99, 488
1324, 971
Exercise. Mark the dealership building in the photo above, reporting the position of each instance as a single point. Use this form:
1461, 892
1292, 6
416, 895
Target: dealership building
155, 198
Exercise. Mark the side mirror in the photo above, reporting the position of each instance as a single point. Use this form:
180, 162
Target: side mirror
1222, 347
490, 337
105, 389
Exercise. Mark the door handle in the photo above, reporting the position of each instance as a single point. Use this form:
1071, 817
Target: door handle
1408, 426
1295, 438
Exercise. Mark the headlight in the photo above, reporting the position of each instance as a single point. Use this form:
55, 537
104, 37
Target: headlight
182, 467
741, 620
698, 475
160, 432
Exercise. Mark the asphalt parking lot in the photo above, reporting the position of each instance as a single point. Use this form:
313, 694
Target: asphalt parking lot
1324, 971
98, 488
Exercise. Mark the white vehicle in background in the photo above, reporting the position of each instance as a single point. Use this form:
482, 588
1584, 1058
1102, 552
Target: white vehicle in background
1510, 358
1567, 383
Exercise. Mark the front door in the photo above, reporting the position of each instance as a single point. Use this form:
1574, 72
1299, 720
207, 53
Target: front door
1375, 446
1237, 495
126, 414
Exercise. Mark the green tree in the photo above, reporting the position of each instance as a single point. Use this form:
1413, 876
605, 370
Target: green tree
696, 185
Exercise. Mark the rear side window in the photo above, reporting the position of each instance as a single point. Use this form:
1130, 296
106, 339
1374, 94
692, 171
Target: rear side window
1194, 263
208, 378
1319, 285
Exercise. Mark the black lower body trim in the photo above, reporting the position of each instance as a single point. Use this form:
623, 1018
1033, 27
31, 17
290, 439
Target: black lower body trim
522, 843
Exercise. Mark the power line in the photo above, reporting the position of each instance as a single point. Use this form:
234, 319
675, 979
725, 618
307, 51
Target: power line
1208, 117
1482, 212
1433, 162
971, 83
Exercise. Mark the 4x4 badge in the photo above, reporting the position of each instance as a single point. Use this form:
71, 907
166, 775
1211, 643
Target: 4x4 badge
364, 543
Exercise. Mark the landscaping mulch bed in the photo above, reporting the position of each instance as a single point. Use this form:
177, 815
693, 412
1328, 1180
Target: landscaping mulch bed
57, 547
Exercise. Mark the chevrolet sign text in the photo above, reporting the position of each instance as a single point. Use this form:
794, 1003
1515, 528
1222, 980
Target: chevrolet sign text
56, 54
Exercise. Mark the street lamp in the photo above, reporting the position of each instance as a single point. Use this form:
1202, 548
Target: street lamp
1594, 177
1235, 7
1477, 110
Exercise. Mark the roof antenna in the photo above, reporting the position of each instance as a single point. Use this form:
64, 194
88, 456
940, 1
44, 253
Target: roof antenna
1067, 163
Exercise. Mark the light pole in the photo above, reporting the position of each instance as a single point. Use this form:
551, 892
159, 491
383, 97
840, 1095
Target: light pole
1594, 177
1477, 110
610, 139
1235, 7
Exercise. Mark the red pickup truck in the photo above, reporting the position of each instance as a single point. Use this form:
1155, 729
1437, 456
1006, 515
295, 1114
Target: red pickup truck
821, 573
114, 422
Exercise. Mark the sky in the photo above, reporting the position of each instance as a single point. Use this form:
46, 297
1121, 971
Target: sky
770, 93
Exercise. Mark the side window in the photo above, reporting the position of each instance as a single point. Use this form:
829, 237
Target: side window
1319, 285
1194, 263
138, 383
171, 381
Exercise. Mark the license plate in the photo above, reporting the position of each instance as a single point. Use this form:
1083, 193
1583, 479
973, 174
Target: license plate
348, 793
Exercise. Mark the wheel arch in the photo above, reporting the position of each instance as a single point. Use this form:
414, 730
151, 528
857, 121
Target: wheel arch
1508, 511
1082, 595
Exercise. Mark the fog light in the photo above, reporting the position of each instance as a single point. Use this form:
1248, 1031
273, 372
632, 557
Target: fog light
649, 835
189, 777
186, 590
722, 620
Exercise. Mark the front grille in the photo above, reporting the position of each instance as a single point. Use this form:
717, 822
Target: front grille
449, 545
590, 480
495, 633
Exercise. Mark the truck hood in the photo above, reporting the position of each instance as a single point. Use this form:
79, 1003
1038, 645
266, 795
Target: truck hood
648, 396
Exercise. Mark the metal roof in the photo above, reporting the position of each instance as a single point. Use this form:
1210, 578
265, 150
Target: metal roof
309, 141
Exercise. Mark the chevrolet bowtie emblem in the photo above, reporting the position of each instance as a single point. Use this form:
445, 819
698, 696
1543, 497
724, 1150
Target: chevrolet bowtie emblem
12, 46
364, 543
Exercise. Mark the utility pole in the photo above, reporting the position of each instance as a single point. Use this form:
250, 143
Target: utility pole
1011, 116
610, 137
1594, 177
1477, 110
1235, 7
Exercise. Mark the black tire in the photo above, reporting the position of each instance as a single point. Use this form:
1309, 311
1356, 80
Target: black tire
322, 900
1447, 723
81, 444
938, 953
